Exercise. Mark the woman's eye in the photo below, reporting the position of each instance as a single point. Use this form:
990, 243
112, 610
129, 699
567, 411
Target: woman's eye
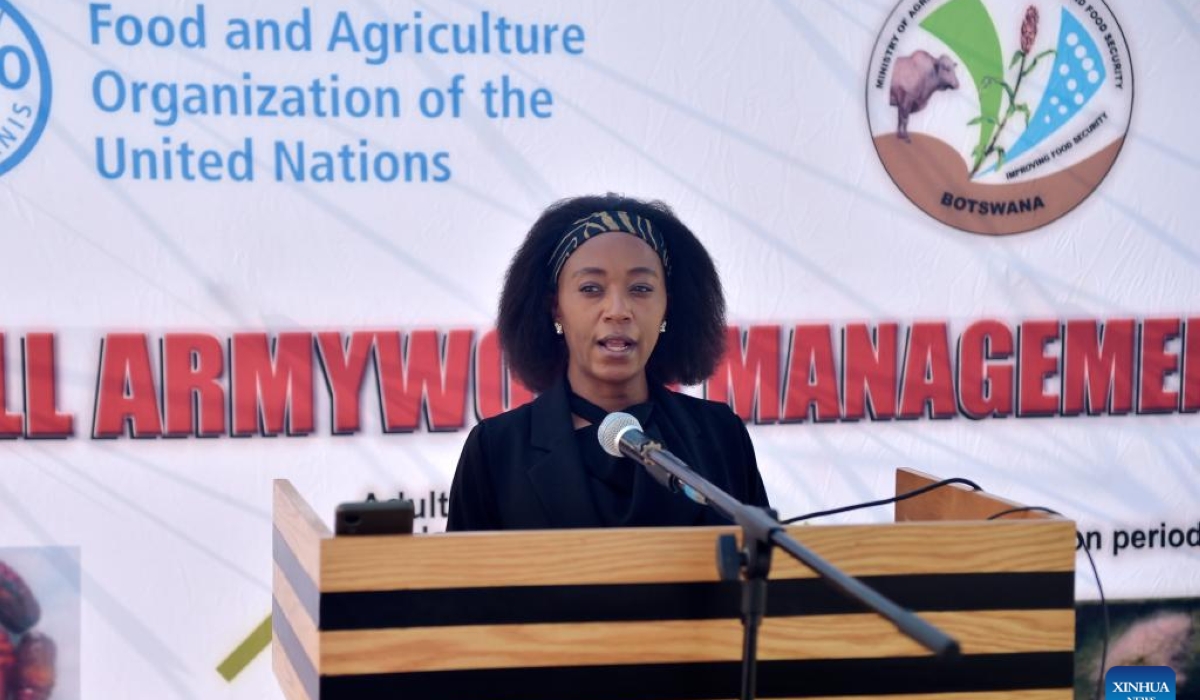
589, 288
641, 289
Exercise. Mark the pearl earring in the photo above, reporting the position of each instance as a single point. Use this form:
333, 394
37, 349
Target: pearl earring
663, 327
558, 328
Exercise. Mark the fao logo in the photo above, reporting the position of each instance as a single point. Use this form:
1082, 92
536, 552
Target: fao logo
24, 87
995, 116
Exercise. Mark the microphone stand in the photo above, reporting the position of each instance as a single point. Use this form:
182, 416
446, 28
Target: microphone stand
761, 531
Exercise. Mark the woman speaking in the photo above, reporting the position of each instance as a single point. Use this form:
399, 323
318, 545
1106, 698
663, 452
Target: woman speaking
608, 300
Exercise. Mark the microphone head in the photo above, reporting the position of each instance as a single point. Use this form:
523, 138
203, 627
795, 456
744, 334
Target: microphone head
611, 428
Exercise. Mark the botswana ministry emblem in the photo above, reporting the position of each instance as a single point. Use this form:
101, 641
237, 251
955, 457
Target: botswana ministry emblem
995, 116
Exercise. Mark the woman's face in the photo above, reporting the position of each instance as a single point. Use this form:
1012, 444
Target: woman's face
612, 297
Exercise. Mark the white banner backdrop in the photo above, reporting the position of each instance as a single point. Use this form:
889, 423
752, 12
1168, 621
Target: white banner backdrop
203, 182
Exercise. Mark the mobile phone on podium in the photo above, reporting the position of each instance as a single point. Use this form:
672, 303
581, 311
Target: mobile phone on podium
374, 517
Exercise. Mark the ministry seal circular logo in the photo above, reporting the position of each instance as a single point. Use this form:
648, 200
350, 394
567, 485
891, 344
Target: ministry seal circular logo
998, 117
24, 87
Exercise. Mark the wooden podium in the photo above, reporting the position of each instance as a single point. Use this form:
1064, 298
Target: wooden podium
642, 615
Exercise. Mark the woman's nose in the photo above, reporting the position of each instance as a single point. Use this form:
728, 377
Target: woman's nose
616, 307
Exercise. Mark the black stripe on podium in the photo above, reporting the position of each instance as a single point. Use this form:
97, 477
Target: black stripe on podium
684, 601
302, 585
710, 681
299, 661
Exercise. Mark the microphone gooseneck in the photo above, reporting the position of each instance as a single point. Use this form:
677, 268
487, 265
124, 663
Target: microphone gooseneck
620, 435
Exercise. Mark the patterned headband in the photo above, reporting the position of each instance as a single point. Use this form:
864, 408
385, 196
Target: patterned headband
602, 222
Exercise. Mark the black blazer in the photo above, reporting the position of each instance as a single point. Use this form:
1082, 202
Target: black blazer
522, 469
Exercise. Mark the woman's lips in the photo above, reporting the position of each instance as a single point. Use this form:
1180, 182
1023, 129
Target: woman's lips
617, 344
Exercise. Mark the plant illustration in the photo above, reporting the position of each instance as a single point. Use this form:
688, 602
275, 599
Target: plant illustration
1024, 66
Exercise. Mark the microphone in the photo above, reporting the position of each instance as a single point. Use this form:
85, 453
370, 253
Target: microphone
620, 434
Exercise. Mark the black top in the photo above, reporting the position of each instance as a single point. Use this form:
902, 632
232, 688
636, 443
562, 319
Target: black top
530, 469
